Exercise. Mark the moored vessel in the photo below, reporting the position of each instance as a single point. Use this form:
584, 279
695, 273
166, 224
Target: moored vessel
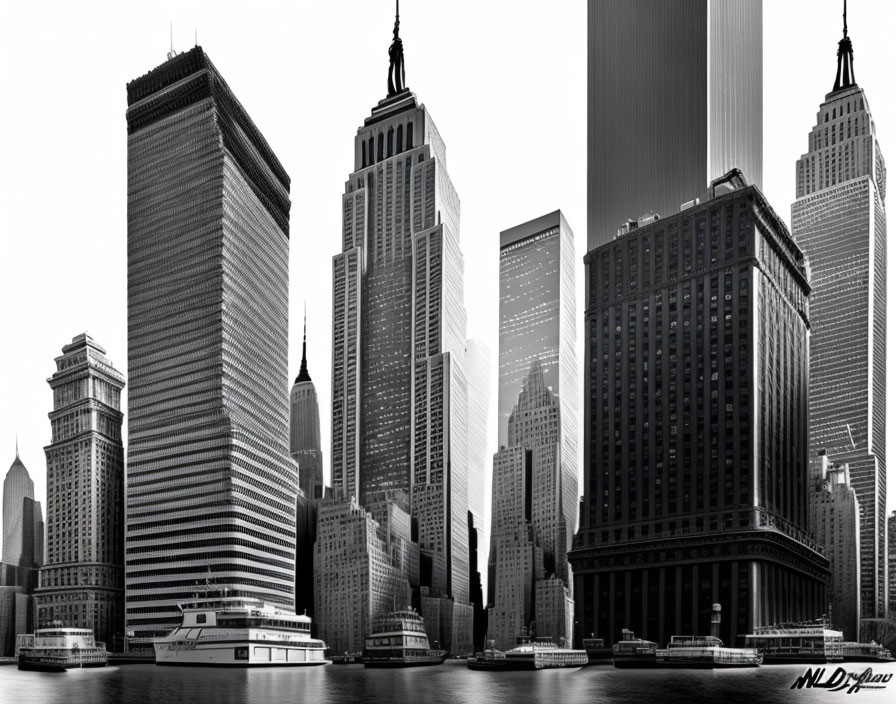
865, 652
632, 651
538, 654
705, 652
599, 653
399, 640
804, 642
58, 649
240, 632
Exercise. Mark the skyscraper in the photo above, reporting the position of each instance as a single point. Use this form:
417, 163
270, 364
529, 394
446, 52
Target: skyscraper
82, 581
834, 523
529, 527
696, 464
674, 100
22, 520
211, 489
839, 219
399, 332
537, 319
23, 550
304, 429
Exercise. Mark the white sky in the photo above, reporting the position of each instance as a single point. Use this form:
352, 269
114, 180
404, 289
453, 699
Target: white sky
504, 80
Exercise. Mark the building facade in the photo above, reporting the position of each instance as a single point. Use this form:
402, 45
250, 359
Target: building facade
834, 523
82, 580
211, 488
361, 569
304, 429
23, 554
674, 100
537, 322
399, 332
696, 464
839, 220
891, 562
529, 527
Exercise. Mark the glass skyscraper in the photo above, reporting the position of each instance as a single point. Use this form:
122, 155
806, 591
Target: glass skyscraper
211, 489
674, 101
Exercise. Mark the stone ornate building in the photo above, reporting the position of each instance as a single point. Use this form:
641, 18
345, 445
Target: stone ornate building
82, 580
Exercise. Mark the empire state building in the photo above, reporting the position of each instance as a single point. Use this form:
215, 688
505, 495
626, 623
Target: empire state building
399, 331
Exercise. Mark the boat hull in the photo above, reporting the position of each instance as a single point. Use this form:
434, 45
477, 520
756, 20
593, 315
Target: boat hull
239, 655
541, 661
57, 664
405, 662
634, 661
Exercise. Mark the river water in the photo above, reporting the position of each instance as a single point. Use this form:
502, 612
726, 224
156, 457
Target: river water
451, 682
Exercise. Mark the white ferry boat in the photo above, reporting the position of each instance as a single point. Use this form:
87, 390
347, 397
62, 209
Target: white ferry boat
801, 642
59, 649
399, 640
540, 654
632, 651
705, 652
240, 632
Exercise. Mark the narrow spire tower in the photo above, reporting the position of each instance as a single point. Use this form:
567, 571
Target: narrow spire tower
845, 74
303, 370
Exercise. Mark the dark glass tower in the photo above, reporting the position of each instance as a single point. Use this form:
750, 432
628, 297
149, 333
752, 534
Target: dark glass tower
696, 463
839, 219
674, 100
211, 489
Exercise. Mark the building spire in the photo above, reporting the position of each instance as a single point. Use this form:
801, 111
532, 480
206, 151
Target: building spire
396, 59
845, 73
303, 370
17, 446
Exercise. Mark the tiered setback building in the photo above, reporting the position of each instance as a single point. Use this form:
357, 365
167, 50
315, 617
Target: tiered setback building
529, 529
399, 332
211, 488
834, 520
361, 569
82, 581
304, 430
674, 100
696, 476
839, 220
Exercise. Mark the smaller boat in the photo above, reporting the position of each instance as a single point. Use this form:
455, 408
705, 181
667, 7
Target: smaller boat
705, 652
399, 640
599, 653
865, 652
804, 642
632, 651
540, 654
346, 658
59, 649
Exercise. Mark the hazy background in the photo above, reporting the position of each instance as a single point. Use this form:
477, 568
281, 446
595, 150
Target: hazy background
505, 82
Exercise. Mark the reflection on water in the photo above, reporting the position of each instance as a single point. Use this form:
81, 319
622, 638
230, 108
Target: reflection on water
451, 682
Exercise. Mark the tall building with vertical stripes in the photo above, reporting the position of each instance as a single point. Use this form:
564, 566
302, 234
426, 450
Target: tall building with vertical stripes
211, 488
82, 580
839, 219
674, 100
399, 333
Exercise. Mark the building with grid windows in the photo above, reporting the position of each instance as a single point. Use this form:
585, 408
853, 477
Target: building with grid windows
696, 460
674, 100
211, 488
834, 520
839, 220
399, 333
82, 580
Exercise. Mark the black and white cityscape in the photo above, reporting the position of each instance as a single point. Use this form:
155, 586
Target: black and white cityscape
628, 412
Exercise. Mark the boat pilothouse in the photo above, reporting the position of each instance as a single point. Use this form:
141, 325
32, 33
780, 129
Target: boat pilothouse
240, 632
